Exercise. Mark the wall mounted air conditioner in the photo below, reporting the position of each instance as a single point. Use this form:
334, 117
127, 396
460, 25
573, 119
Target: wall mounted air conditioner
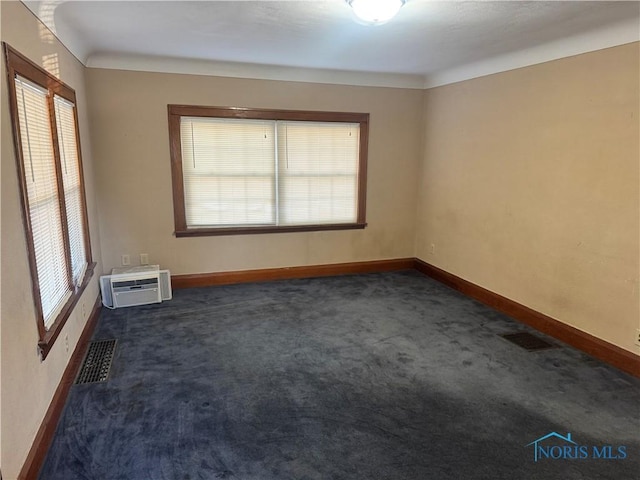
126, 287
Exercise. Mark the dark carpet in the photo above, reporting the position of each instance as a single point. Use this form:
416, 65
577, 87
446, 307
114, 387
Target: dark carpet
380, 376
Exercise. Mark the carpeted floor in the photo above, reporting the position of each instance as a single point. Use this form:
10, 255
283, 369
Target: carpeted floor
380, 376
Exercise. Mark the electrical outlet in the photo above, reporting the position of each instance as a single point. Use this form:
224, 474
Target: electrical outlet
66, 343
126, 260
637, 340
432, 249
84, 312
144, 259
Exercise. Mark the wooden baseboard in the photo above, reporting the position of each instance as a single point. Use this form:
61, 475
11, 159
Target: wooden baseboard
42, 442
246, 276
594, 346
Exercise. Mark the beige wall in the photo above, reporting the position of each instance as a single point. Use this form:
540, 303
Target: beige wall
530, 188
27, 383
128, 112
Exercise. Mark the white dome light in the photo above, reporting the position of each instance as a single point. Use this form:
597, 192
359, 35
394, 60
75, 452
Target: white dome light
375, 12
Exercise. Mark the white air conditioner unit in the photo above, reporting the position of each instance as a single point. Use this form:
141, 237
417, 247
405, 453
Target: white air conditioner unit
126, 287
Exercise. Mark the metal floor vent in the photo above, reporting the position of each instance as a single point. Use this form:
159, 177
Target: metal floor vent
528, 341
97, 362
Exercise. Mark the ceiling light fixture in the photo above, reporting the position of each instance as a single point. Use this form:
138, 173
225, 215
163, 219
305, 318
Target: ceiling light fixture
375, 12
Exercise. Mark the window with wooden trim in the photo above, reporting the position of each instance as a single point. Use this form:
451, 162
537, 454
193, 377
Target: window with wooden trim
45, 127
239, 170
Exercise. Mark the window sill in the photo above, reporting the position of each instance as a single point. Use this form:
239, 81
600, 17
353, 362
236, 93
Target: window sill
46, 343
218, 231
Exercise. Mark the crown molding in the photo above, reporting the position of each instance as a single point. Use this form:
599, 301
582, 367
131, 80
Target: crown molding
612, 36
253, 71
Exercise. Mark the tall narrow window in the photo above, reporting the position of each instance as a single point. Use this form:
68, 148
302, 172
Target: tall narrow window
43, 198
50, 169
252, 171
72, 186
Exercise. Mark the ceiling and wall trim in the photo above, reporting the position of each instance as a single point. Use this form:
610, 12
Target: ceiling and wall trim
620, 33
611, 36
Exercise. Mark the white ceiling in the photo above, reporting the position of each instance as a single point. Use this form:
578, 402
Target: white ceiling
428, 43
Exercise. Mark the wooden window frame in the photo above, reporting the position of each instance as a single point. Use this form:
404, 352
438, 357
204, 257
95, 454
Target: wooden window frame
18, 64
177, 111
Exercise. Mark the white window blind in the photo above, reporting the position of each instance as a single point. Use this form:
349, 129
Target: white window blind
42, 195
228, 171
239, 172
68, 145
318, 168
